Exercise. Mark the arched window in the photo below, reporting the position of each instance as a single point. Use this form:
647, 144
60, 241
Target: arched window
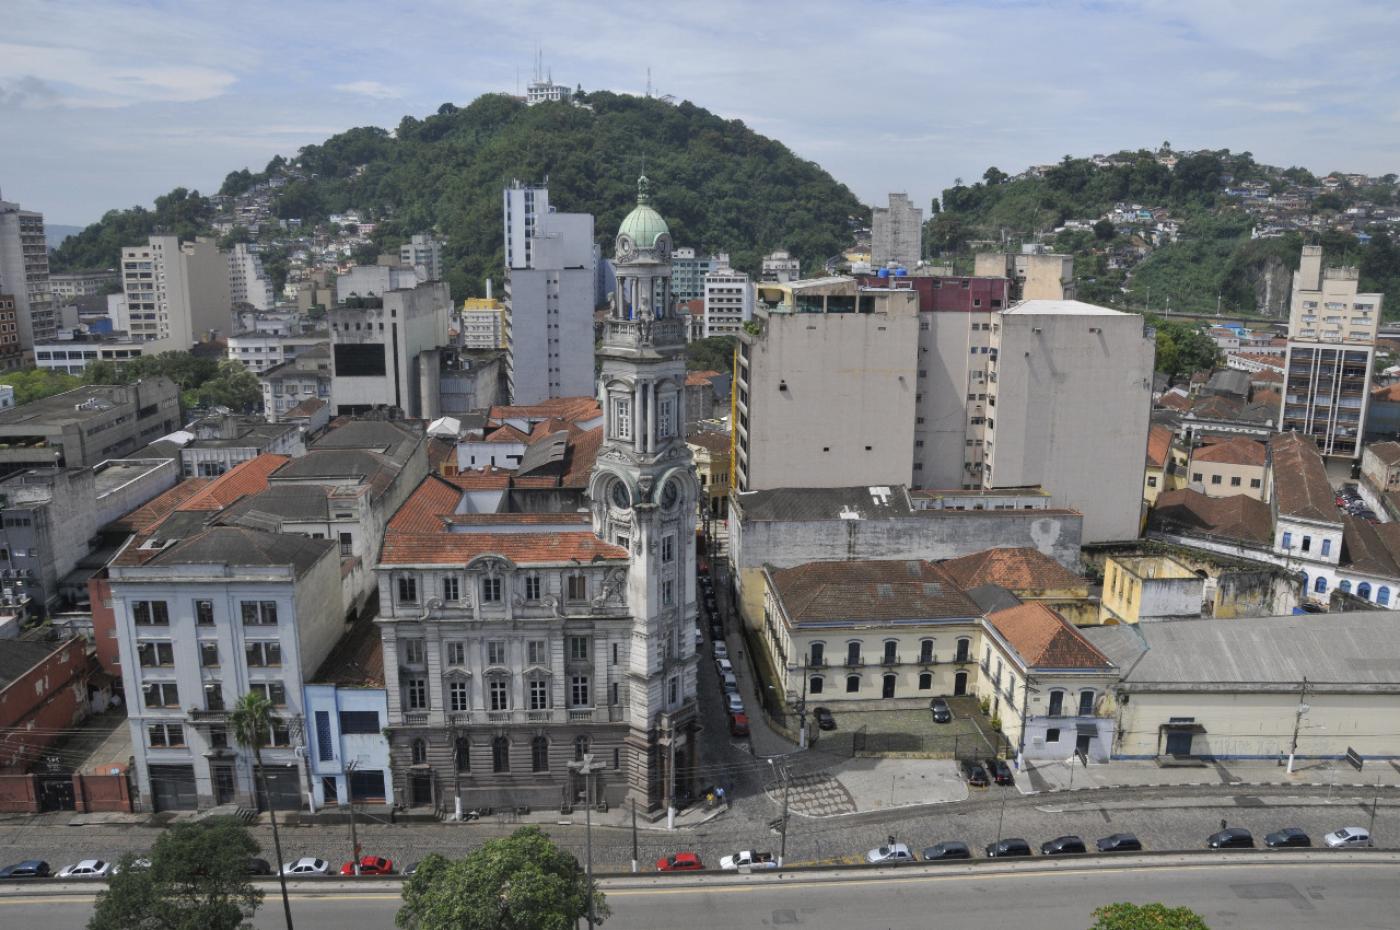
580, 748
964, 653
1320, 586
1057, 703
926, 651
852, 684
891, 653
814, 686
1364, 590
1344, 587
1383, 596
500, 754
462, 756
1086, 702
539, 754
420, 752
925, 681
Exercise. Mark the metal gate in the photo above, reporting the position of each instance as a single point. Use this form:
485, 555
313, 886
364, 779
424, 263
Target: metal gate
56, 792
283, 785
172, 788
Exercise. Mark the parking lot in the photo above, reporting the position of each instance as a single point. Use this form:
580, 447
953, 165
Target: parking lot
911, 732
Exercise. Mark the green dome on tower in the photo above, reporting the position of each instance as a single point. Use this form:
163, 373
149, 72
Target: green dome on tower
643, 225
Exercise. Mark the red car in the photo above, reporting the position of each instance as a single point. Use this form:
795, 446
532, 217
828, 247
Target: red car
369, 865
738, 724
680, 862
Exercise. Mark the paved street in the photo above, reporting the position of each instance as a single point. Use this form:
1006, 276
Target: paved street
1278, 896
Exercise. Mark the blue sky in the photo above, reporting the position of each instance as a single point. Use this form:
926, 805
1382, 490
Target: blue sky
109, 104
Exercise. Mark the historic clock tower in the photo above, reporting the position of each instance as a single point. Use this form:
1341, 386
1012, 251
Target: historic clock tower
643, 496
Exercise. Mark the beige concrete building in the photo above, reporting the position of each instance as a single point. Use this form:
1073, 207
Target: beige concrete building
1232, 466
825, 386
1149, 588
176, 294
728, 301
1070, 409
482, 323
710, 449
1215, 690
1380, 465
896, 233
1034, 275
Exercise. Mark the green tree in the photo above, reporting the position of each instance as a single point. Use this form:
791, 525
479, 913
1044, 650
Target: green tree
251, 722
234, 387
519, 882
1183, 349
715, 353
1124, 916
1104, 230
32, 384
197, 880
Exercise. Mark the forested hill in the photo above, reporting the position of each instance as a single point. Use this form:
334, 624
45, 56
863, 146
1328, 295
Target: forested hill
721, 186
1211, 229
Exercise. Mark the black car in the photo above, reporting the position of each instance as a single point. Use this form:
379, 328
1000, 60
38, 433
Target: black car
941, 852
974, 773
1119, 842
1231, 838
1062, 846
942, 713
1000, 772
259, 867
1288, 836
29, 868
1002, 849
824, 719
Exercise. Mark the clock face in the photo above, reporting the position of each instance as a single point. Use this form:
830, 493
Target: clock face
621, 499
663, 246
670, 494
624, 246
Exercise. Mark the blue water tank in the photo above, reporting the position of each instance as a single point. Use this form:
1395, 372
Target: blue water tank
883, 273
901, 272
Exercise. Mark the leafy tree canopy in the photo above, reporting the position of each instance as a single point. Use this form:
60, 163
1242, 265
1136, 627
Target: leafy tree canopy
234, 387
197, 880
715, 353
1126, 916
37, 383
1183, 349
519, 882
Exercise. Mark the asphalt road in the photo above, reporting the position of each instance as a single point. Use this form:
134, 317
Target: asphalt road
1359, 896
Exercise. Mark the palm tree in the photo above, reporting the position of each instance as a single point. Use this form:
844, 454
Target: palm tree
251, 722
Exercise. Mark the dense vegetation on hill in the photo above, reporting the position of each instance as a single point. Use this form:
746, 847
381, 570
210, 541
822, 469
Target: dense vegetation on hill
721, 186
1214, 262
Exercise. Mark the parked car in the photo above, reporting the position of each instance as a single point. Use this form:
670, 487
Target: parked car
259, 867
411, 870
370, 865
1119, 842
679, 862
716, 631
748, 859
896, 852
974, 774
724, 665
87, 868
721, 649
1062, 846
1231, 838
1288, 836
1003, 849
728, 683
1348, 836
137, 865
29, 868
942, 713
1000, 772
824, 719
736, 703
306, 866
951, 849
738, 724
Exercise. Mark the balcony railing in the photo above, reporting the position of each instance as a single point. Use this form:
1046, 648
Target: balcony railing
818, 662
854, 662
889, 659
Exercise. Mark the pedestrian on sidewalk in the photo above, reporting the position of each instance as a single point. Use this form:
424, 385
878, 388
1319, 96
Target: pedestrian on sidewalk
1223, 824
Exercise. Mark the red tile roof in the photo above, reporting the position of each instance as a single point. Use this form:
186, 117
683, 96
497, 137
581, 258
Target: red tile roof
712, 440
1017, 569
870, 590
1236, 517
1044, 639
1387, 395
566, 408
1175, 401
521, 548
695, 307
306, 408
699, 378
150, 514
245, 478
425, 509
507, 433
1234, 451
1301, 486
1159, 445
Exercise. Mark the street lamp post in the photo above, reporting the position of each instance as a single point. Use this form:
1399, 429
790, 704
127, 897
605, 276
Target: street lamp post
586, 769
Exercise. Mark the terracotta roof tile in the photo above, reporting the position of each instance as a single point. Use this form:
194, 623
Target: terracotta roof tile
507, 433
1387, 395
699, 378
425, 509
583, 455
1175, 401
1233, 451
1017, 569
149, 515
1301, 486
245, 478
1191, 512
566, 408
1159, 444
861, 591
306, 408
1044, 639
484, 480
521, 548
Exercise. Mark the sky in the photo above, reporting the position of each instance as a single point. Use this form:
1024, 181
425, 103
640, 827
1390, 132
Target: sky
109, 104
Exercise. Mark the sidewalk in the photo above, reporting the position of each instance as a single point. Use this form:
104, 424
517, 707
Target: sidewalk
1043, 777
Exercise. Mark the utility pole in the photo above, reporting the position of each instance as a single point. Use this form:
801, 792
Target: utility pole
456, 769
634, 834
1002, 816
1298, 723
1375, 800
671, 780
354, 837
586, 769
782, 849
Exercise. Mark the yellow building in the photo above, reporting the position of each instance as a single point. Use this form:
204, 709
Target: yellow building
710, 449
482, 323
1159, 450
1149, 587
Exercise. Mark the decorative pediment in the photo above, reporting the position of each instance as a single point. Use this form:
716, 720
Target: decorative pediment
491, 565
457, 672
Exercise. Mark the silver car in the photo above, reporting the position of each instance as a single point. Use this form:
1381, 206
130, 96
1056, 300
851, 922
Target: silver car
1348, 836
896, 852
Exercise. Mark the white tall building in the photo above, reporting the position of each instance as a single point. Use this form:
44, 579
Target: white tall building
550, 278
424, 254
728, 301
688, 272
897, 233
176, 294
24, 273
248, 283
384, 351
780, 267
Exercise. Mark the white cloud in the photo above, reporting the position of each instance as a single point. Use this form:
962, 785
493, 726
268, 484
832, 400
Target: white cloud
372, 89
73, 77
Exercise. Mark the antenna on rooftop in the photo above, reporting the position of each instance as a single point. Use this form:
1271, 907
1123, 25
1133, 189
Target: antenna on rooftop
648, 81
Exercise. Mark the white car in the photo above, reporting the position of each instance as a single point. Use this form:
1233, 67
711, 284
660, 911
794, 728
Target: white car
1348, 836
725, 666
699, 638
136, 864
896, 853
307, 865
88, 868
721, 649
736, 703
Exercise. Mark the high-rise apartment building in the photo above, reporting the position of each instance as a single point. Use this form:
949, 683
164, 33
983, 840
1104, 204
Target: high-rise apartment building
896, 233
688, 272
177, 293
550, 280
780, 267
728, 302
69, 285
482, 324
24, 272
248, 282
11, 352
424, 253
1331, 352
